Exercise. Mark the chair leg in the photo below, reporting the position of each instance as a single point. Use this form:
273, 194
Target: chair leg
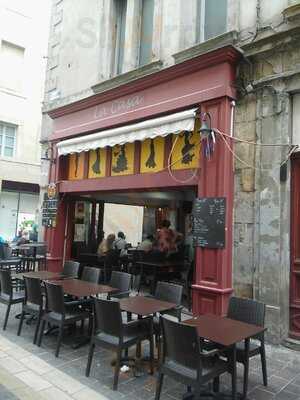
216, 384
117, 369
41, 333
59, 339
159, 384
21, 322
37, 329
151, 343
6, 316
246, 375
90, 358
264, 364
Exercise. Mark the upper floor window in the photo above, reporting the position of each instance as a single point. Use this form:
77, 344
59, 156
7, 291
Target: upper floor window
7, 140
147, 14
121, 9
11, 66
211, 19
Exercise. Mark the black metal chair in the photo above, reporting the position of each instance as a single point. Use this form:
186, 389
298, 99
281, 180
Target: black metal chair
7, 295
33, 304
251, 312
41, 258
122, 282
59, 313
90, 274
111, 333
9, 261
185, 361
171, 293
71, 269
185, 279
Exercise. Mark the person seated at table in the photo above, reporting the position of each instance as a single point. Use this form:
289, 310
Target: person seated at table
120, 244
2, 240
33, 236
24, 239
106, 245
147, 244
166, 238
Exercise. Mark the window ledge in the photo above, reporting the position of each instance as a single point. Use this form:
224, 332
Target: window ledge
292, 13
128, 77
228, 38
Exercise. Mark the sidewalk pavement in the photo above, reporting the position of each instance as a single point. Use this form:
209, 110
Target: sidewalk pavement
28, 372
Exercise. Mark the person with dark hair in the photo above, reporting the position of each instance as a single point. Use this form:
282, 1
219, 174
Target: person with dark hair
120, 243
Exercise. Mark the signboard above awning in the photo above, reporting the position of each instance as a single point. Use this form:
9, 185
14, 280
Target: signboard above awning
163, 126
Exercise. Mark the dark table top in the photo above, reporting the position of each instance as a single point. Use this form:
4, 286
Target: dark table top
42, 275
222, 330
162, 264
141, 305
28, 245
79, 288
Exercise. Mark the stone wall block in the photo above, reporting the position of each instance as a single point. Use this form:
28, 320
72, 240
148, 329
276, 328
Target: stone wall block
244, 208
246, 152
246, 130
248, 179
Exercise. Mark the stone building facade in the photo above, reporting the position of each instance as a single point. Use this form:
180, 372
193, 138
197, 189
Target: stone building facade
93, 49
22, 74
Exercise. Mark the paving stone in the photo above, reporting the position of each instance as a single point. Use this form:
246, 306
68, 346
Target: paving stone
54, 394
33, 380
285, 395
64, 381
12, 365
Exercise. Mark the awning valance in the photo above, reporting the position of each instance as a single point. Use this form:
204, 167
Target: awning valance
163, 126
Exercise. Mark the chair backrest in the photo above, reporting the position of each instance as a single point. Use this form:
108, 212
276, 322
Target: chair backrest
181, 344
7, 252
5, 283
41, 250
33, 291
90, 274
168, 292
55, 298
246, 310
120, 280
71, 268
108, 317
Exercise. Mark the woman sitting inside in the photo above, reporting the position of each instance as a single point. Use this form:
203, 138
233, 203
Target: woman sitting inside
106, 245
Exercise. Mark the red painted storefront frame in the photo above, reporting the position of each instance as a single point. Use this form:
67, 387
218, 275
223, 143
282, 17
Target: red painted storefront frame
205, 81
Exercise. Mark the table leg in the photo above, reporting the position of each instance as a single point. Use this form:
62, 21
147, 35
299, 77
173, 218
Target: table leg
246, 368
234, 373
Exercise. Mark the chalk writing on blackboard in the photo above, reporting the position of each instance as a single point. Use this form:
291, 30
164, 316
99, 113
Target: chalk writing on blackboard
209, 222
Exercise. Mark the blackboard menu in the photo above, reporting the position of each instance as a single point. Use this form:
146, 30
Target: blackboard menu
49, 211
209, 222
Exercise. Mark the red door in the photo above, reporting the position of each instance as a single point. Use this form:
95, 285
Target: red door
295, 251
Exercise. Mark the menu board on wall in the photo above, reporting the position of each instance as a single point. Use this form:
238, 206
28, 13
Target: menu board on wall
209, 222
49, 211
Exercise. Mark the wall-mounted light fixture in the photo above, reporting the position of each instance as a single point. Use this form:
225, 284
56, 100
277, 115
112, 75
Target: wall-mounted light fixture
48, 155
205, 129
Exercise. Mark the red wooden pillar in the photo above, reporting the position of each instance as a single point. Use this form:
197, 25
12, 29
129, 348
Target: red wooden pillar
213, 275
55, 237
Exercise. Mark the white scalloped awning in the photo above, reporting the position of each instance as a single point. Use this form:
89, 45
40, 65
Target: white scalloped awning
174, 123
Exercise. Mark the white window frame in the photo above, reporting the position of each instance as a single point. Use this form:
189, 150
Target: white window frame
3, 126
200, 21
118, 64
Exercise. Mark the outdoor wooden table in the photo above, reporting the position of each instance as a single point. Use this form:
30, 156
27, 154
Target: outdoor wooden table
42, 275
225, 332
143, 306
159, 266
79, 288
